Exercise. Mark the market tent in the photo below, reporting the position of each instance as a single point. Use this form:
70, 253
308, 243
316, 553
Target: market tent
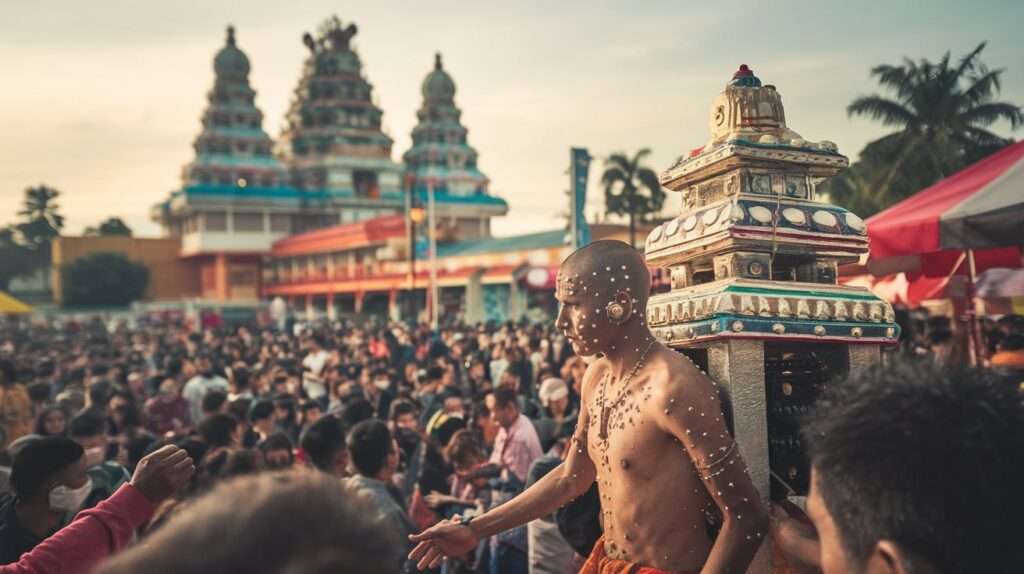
979, 208
11, 306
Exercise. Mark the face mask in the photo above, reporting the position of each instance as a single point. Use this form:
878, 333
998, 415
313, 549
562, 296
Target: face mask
382, 384
66, 499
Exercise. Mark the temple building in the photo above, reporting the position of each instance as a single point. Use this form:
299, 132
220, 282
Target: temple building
330, 166
332, 141
442, 160
234, 201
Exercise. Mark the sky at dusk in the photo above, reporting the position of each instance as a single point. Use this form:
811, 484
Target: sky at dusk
102, 99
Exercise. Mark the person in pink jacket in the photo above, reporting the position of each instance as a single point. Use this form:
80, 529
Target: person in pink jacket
100, 531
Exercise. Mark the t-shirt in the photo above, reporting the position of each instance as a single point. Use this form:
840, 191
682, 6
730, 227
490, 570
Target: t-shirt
311, 379
15, 539
196, 388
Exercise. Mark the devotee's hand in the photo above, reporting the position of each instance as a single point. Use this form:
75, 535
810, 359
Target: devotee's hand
445, 539
161, 473
796, 538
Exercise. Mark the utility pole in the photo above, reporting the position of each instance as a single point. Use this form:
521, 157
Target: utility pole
432, 221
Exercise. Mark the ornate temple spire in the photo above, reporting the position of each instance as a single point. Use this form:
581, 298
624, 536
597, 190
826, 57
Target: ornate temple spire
232, 150
332, 114
440, 153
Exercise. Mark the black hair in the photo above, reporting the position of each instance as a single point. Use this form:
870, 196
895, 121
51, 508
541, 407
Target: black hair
39, 460
1012, 343
322, 440
308, 405
401, 407
369, 444
435, 373
216, 429
38, 392
99, 393
504, 396
8, 374
276, 441
239, 408
356, 411
929, 457
261, 410
213, 401
87, 424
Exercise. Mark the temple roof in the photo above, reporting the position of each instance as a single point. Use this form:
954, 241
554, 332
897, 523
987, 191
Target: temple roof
230, 61
438, 85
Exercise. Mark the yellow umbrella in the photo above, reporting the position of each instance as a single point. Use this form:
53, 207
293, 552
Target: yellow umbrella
11, 306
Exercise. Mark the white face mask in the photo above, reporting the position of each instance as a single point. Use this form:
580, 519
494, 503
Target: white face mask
382, 384
66, 499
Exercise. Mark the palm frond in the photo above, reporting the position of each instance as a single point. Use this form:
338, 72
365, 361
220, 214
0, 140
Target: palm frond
987, 114
983, 87
889, 112
970, 60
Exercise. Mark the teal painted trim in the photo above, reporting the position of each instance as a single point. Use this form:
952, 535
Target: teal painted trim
800, 292
242, 161
793, 327
541, 240
283, 192
422, 199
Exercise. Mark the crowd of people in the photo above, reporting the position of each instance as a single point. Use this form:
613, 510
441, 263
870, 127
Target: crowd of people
378, 431
427, 425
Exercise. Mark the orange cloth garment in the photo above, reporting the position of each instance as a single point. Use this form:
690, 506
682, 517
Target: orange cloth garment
600, 563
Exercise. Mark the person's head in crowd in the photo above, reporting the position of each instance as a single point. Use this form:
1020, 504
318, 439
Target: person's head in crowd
124, 416
917, 467
506, 407
554, 396
323, 443
277, 451
98, 395
132, 447
204, 365
136, 383
435, 375
465, 455
452, 403
356, 411
378, 382
52, 421
214, 402
220, 430
295, 523
443, 432
311, 412
239, 408
511, 378
168, 390
89, 429
73, 400
372, 450
38, 393
317, 343
477, 368
49, 478
262, 416
1011, 324
241, 462
285, 407
240, 378
404, 414
279, 385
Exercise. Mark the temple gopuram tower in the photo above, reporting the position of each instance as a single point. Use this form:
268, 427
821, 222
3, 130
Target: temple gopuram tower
332, 140
441, 158
229, 208
753, 258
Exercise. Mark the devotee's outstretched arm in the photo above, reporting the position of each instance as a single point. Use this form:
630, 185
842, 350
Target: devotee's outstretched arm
567, 481
690, 410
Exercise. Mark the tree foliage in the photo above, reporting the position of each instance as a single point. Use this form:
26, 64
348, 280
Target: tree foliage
942, 111
110, 226
25, 244
631, 189
103, 280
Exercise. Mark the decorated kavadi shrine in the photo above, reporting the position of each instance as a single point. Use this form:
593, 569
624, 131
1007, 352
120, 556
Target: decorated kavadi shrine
753, 259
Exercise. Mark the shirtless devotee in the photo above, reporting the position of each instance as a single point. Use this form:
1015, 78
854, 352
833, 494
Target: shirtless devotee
650, 431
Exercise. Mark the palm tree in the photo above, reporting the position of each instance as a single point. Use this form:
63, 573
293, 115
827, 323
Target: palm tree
631, 189
110, 226
40, 211
942, 111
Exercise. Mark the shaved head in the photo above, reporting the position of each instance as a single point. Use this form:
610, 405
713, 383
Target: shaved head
603, 287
